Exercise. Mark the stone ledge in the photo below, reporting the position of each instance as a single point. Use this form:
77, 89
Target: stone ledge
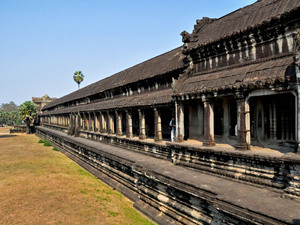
165, 179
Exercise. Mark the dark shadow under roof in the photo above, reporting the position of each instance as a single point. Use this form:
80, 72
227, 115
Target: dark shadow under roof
255, 74
140, 100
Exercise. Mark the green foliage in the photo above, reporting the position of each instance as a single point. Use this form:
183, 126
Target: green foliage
27, 110
9, 118
78, 77
8, 107
47, 143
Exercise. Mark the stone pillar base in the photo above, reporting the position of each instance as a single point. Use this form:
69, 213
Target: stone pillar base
208, 143
179, 138
297, 150
77, 132
157, 139
142, 137
242, 147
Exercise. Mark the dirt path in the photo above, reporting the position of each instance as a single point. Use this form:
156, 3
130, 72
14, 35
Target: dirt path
4, 130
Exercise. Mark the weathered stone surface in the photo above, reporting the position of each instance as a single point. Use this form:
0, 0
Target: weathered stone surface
180, 194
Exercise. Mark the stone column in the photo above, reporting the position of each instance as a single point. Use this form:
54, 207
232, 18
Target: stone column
208, 122
94, 122
70, 124
179, 111
129, 133
81, 121
118, 123
84, 121
98, 122
77, 125
109, 123
89, 121
103, 123
297, 120
243, 123
142, 128
157, 125
226, 116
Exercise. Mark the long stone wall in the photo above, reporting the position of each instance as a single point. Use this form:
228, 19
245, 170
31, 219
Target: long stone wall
282, 173
171, 194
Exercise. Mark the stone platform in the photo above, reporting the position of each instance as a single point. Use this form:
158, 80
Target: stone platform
190, 193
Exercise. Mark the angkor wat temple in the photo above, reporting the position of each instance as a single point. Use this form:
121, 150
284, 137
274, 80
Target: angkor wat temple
233, 88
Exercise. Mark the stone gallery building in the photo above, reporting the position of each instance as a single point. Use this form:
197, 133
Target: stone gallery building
233, 88
41, 102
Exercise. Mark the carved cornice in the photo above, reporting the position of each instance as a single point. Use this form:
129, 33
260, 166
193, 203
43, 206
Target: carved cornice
260, 33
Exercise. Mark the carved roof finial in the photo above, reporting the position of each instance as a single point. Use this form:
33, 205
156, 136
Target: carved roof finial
186, 37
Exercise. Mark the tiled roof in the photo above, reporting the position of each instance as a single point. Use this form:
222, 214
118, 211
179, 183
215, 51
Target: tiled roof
255, 74
144, 99
241, 20
159, 65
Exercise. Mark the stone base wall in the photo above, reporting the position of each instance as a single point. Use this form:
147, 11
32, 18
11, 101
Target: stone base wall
281, 174
165, 200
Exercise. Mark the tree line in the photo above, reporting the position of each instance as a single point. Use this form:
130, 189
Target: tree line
12, 114
9, 114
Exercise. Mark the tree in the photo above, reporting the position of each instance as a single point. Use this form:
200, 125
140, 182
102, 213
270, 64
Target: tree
27, 112
8, 107
14, 115
78, 77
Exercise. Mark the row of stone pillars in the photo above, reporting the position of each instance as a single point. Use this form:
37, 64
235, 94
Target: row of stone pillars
62, 120
243, 122
103, 122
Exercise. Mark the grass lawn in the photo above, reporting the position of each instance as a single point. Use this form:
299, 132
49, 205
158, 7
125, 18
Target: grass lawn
40, 185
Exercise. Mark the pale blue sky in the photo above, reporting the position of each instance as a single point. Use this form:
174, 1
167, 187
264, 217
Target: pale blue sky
43, 42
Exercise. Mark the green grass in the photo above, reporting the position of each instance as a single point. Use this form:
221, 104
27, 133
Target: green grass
112, 213
46, 143
48, 184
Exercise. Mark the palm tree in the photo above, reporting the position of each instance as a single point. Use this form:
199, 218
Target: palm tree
78, 77
27, 112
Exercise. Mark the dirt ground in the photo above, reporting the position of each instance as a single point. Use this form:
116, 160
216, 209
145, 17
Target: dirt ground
40, 185
4, 130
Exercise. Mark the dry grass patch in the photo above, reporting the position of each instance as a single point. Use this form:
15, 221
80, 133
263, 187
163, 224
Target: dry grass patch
42, 186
